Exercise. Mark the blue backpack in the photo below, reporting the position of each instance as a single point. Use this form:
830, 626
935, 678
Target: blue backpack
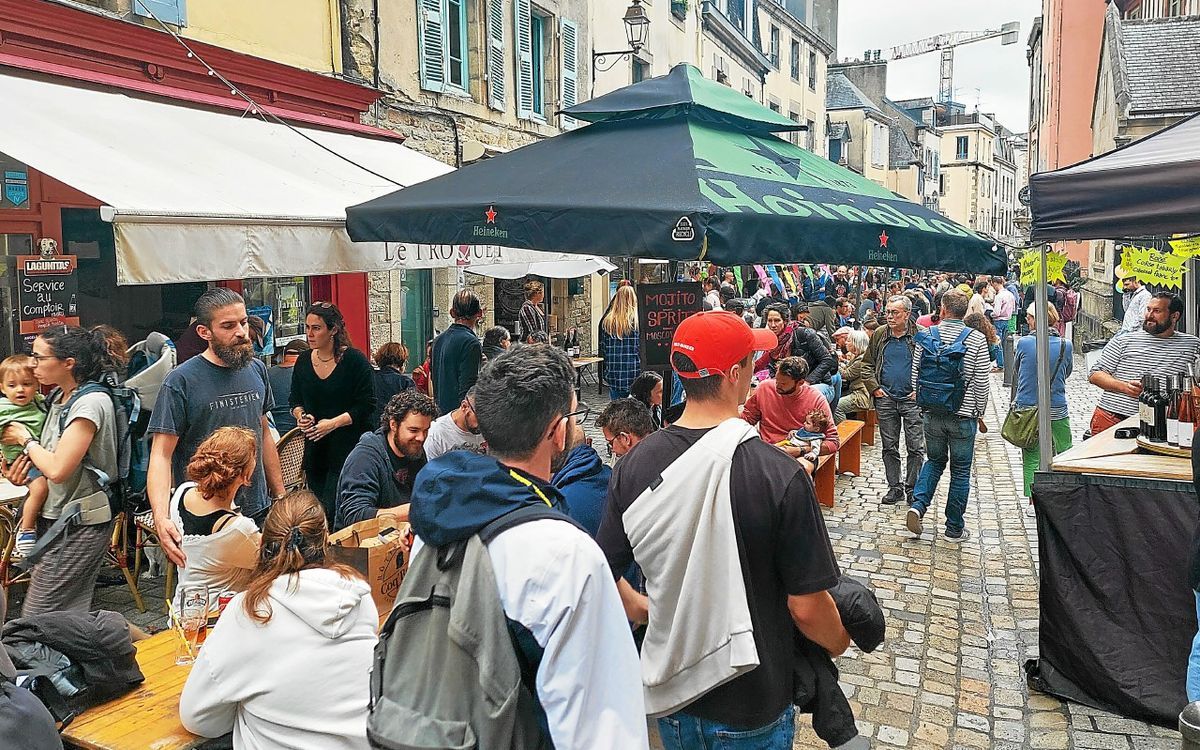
940, 382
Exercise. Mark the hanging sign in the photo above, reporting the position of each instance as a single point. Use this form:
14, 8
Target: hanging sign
1031, 267
1187, 247
48, 292
661, 308
1150, 266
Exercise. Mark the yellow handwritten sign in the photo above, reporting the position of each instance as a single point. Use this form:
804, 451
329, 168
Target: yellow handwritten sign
1187, 247
1150, 266
1031, 267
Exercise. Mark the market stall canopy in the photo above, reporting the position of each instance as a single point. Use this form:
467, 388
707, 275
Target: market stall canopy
199, 195
683, 168
1147, 188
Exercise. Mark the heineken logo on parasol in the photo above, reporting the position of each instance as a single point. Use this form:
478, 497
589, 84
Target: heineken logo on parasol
764, 197
683, 231
490, 231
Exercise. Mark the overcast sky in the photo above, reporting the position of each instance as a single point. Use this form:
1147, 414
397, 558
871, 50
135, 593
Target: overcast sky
994, 76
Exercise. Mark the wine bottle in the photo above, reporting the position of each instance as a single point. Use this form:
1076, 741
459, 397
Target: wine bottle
1187, 415
1160, 410
1172, 413
1145, 414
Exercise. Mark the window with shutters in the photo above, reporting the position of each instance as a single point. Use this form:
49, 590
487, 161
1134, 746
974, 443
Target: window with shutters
794, 135
774, 51
961, 144
810, 136
537, 37
523, 34
568, 57
442, 39
173, 12
641, 70
497, 64
795, 60
812, 71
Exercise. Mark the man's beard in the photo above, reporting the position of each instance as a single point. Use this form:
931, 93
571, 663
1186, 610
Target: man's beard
1153, 328
236, 356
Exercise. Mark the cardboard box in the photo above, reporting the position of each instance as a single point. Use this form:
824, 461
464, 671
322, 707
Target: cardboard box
381, 557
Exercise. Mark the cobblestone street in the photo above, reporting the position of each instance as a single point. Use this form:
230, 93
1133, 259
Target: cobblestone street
962, 620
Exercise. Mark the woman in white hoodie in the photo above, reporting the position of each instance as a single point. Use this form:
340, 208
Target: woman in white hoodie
288, 664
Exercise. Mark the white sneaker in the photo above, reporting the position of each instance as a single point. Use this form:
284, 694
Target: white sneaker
913, 522
26, 539
1030, 512
962, 537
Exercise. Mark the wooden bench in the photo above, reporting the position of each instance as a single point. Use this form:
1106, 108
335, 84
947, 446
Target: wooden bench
848, 461
870, 418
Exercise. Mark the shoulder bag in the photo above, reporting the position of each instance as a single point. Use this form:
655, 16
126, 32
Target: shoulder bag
1021, 425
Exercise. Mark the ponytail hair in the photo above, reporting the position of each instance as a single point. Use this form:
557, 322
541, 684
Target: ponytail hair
222, 459
294, 538
89, 349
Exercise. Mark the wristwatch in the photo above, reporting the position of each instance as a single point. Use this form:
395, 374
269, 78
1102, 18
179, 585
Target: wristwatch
25, 445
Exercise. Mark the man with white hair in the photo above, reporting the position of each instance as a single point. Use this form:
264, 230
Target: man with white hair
887, 370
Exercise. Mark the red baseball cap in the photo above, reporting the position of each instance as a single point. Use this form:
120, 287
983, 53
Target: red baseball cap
717, 340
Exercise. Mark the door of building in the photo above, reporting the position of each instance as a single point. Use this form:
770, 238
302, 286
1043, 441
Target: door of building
417, 326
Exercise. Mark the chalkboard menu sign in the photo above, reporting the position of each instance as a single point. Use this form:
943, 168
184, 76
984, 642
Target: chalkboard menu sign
661, 308
48, 292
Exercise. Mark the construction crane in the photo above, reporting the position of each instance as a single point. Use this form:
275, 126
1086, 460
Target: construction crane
945, 43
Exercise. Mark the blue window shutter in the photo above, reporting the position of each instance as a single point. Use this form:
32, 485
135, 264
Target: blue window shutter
496, 64
431, 40
522, 11
569, 58
173, 12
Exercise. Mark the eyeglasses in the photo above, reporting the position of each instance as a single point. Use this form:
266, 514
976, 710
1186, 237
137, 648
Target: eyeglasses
581, 412
615, 439
893, 313
39, 357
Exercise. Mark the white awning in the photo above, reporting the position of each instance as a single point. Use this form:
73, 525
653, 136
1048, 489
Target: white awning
199, 195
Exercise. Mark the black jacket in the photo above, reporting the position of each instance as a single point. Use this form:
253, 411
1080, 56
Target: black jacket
816, 688
822, 364
369, 480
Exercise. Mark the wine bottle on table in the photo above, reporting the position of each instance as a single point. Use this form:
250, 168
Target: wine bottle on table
1160, 410
1145, 413
1187, 415
1172, 394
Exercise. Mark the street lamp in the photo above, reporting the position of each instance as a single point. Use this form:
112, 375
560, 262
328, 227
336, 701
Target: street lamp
637, 31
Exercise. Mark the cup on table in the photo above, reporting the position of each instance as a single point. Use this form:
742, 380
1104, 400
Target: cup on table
191, 622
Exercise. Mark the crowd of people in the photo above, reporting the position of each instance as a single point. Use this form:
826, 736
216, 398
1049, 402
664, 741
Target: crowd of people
487, 427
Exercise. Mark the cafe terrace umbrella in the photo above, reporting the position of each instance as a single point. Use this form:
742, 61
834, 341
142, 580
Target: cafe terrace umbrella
682, 168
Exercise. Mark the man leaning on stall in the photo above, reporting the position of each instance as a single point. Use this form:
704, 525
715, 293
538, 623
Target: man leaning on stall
1157, 349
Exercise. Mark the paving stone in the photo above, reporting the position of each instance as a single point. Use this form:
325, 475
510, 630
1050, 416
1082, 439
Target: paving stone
1099, 740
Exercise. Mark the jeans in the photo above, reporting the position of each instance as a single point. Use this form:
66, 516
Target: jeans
895, 415
832, 390
680, 731
949, 438
1002, 332
1193, 667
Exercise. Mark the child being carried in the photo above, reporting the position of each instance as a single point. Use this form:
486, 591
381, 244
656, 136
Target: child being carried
23, 403
811, 434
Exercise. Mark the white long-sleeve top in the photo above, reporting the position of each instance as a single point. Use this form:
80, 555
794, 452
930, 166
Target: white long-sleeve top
301, 680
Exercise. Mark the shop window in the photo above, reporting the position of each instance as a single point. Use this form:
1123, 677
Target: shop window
173, 12
280, 304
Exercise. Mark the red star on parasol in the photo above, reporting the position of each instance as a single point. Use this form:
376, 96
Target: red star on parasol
883, 238
490, 214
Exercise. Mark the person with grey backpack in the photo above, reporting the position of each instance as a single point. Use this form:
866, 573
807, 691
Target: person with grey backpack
508, 631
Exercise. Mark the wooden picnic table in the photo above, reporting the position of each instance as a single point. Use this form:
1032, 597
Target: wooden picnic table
148, 717
1106, 454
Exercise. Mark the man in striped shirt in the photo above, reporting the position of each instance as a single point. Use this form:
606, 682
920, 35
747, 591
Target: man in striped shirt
950, 438
1156, 349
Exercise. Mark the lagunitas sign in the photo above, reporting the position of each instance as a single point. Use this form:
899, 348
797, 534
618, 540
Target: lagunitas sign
48, 292
661, 308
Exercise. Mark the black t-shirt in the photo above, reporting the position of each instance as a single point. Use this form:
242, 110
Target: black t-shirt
783, 546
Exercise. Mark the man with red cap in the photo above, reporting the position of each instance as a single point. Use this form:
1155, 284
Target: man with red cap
728, 533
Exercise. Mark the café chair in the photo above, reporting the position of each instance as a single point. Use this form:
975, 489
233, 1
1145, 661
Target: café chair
145, 536
291, 459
